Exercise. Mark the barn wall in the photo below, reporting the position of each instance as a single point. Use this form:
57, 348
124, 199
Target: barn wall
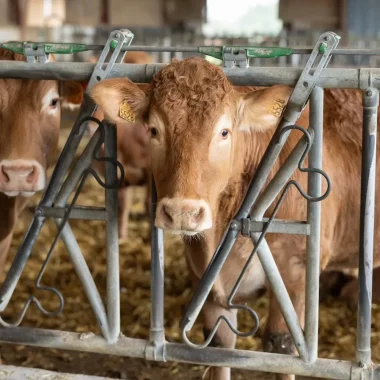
363, 18
4, 12
83, 12
310, 14
147, 13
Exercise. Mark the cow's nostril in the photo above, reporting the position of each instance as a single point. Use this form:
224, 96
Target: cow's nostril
3, 175
166, 214
199, 215
32, 176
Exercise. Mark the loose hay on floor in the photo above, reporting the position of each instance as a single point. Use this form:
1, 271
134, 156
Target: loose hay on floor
337, 323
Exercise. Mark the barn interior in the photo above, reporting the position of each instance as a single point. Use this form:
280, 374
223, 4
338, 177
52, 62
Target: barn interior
283, 23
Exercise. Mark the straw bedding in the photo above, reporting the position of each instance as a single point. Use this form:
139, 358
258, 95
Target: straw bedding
337, 322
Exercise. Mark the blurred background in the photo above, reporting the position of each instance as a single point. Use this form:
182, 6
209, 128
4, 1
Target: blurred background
294, 23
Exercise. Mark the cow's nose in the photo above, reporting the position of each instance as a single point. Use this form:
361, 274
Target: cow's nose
21, 176
185, 216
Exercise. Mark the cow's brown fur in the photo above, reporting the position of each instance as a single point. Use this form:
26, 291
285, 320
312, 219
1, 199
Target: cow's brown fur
184, 103
26, 133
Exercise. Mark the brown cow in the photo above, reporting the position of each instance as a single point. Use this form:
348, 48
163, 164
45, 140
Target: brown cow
206, 142
133, 153
29, 128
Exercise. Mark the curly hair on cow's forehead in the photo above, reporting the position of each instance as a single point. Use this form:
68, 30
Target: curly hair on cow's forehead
192, 83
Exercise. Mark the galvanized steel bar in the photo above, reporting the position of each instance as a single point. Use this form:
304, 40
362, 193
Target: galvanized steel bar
314, 220
109, 324
279, 180
112, 238
367, 218
18, 263
85, 277
244, 359
277, 226
77, 212
157, 333
140, 73
82, 164
279, 289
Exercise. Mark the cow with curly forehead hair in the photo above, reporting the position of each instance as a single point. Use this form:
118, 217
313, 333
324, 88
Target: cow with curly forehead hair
206, 141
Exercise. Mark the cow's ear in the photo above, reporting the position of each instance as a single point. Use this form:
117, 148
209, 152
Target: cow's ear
262, 109
121, 100
72, 93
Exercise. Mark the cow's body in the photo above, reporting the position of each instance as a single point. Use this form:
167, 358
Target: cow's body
133, 154
207, 141
29, 129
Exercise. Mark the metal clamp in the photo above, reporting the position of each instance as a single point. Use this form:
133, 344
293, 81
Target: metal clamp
232, 57
35, 54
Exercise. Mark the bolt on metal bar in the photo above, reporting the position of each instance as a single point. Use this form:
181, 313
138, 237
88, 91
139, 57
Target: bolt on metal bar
157, 332
78, 212
112, 238
367, 218
314, 220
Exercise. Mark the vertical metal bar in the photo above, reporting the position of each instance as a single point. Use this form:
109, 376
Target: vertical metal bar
314, 220
111, 203
85, 277
367, 215
157, 334
18, 264
278, 287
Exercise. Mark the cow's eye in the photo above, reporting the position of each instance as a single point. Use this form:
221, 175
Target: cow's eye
153, 132
224, 133
54, 103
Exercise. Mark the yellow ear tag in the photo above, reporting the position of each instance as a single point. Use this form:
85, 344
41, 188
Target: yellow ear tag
126, 112
277, 108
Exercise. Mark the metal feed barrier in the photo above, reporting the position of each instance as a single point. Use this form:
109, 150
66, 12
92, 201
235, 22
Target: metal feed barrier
249, 220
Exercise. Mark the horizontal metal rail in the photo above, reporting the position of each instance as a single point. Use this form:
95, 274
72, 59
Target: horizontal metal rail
277, 226
195, 49
131, 347
253, 76
78, 212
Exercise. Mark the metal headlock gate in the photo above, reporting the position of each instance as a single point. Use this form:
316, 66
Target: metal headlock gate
249, 220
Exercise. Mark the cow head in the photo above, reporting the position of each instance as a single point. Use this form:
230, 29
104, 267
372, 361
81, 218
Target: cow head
30, 113
197, 123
